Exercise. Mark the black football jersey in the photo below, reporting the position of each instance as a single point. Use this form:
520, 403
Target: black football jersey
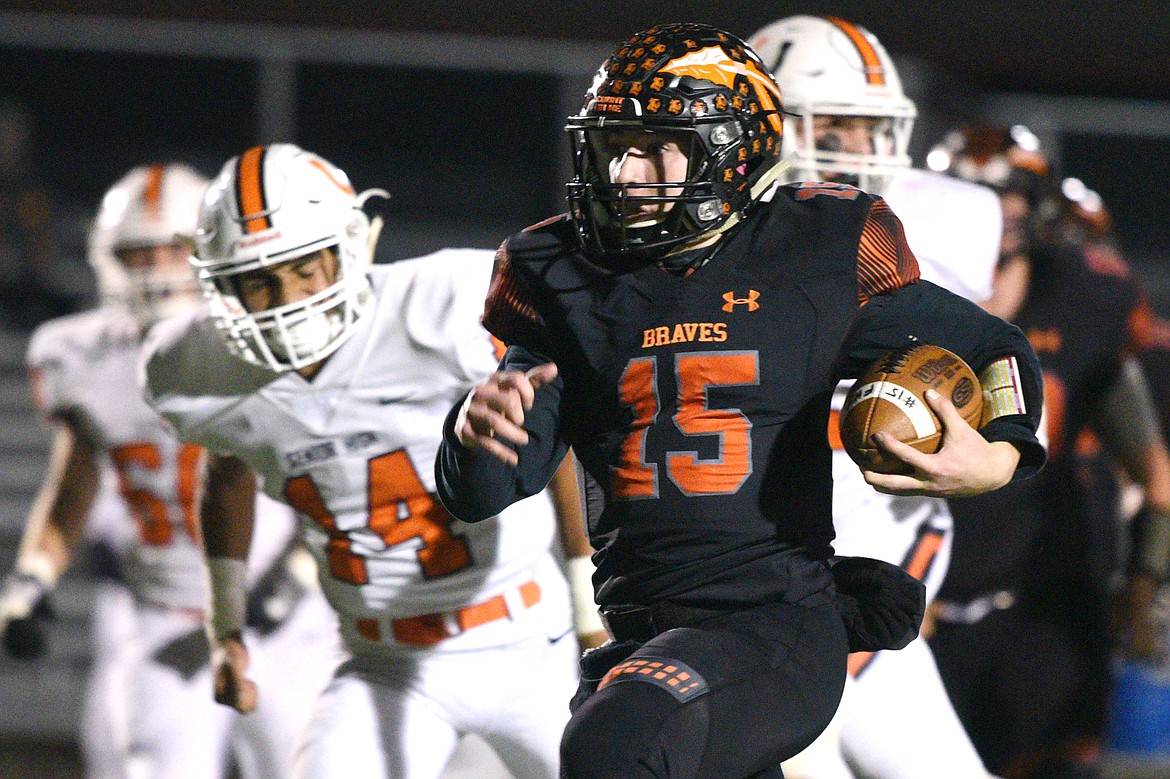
699, 403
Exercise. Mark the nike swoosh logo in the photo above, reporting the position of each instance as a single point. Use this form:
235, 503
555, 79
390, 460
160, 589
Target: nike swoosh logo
393, 400
552, 640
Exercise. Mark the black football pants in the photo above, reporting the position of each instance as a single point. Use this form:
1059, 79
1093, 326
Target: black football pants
727, 699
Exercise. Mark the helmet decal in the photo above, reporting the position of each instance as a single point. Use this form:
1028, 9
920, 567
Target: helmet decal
712, 64
330, 176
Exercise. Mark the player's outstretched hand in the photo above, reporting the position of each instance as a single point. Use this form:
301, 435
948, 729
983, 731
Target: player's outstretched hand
232, 686
492, 417
966, 463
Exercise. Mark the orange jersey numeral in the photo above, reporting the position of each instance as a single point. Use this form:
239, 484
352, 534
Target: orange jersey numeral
635, 478
696, 373
148, 509
400, 510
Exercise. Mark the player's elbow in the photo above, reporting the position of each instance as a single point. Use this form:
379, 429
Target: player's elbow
469, 510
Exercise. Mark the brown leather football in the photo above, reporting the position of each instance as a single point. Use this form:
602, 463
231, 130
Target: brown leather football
890, 397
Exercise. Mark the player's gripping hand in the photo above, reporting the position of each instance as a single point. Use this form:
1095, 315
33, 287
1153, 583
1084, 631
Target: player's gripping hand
23, 610
966, 463
232, 686
492, 417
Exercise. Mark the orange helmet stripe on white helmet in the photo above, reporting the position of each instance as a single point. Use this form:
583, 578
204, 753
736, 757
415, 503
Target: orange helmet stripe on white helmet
152, 190
250, 190
874, 73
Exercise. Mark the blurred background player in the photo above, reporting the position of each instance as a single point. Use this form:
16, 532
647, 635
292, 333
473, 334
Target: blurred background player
847, 119
84, 369
330, 379
1023, 632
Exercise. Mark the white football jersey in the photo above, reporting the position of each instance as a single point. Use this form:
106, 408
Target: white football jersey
953, 227
353, 450
84, 366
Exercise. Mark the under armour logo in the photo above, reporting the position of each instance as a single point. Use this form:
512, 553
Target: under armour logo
733, 301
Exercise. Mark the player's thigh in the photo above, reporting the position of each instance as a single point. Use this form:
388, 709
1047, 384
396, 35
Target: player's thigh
532, 707
899, 722
822, 759
176, 728
731, 698
291, 668
362, 729
106, 705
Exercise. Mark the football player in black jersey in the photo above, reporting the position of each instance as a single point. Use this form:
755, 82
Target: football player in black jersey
683, 329
1022, 630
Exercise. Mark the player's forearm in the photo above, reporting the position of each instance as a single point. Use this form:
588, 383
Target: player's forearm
994, 349
227, 507
226, 515
1126, 420
57, 518
473, 484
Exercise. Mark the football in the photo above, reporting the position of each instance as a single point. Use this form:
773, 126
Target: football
890, 397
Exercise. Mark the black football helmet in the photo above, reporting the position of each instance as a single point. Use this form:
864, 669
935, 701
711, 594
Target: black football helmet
698, 83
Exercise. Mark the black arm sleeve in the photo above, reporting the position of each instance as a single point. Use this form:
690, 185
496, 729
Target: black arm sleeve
473, 484
933, 315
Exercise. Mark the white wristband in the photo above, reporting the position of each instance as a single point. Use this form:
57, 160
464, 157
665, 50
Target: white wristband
586, 619
229, 592
39, 566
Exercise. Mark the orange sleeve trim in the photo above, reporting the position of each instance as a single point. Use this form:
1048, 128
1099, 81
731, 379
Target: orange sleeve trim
884, 259
507, 309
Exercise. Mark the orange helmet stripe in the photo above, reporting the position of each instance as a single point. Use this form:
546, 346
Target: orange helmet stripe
250, 190
152, 191
874, 73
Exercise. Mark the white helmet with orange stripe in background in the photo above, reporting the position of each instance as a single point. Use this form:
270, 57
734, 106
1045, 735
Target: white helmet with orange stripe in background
838, 83
140, 241
273, 205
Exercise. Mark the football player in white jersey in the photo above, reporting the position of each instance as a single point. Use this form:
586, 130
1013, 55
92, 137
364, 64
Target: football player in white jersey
84, 370
330, 379
848, 120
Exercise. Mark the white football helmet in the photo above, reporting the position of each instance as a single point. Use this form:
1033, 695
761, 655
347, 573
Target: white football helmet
828, 66
270, 205
152, 205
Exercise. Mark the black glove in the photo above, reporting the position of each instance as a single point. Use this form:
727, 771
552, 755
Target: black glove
882, 605
595, 664
186, 655
24, 609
